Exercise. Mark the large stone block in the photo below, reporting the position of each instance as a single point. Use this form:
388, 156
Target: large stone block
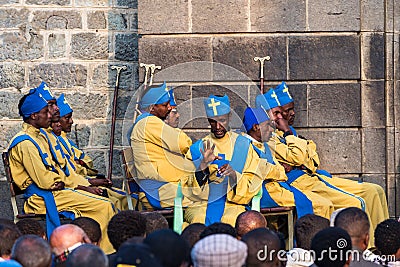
373, 104
373, 56
89, 46
117, 21
8, 129
341, 15
167, 52
100, 159
278, 16
88, 106
128, 3
15, 46
334, 105
104, 76
8, 2
126, 47
12, 75
96, 20
59, 75
339, 150
193, 71
392, 197
13, 18
57, 45
374, 150
50, 20
239, 53
324, 57
220, 16
372, 15
133, 22
299, 95
171, 16
9, 100
93, 3
101, 133
5, 206
80, 133
49, 2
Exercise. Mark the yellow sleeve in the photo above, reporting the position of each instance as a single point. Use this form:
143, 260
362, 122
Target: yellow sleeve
250, 180
27, 166
294, 152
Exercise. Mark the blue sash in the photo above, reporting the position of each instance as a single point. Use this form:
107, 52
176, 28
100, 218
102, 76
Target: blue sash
142, 116
293, 130
53, 152
324, 173
218, 191
52, 218
303, 204
150, 188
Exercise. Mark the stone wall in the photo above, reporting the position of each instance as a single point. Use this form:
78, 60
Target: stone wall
339, 58
70, 44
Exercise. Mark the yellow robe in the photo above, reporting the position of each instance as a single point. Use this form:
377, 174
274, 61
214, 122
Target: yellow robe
77, 153
27, 167
283, 197
298, 152
240, 192
158, 151
74, 179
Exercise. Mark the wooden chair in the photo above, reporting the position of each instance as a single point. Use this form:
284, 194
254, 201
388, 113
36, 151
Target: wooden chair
128, 166
286, 211
16, 191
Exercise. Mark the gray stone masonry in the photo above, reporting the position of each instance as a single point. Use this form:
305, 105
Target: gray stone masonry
339, 58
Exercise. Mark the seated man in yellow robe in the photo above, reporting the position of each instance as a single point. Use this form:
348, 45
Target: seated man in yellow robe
158, 151
66, 164
235, 178
298, 177
276, 190
34, 171
373, 194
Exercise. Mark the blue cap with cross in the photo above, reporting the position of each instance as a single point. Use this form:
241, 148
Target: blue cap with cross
217, 105
63, 105
268, 100
282, 91
44, 90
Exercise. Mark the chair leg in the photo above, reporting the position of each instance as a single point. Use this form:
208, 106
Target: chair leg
128, 195
290, 230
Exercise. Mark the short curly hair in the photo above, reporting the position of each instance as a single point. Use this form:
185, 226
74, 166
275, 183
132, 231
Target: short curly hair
387, 239
124, 225
90, 226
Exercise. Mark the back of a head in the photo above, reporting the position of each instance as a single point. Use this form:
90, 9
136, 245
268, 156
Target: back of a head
87, 255
265, 240
139, 255
219, 250
387, 237
306, 227
354, 221
90, 226
8, 235
32, 251
218, 228
155, 221
192, 233
168, 247
331, 247
65, 236
249, 220
30, 226
124, 225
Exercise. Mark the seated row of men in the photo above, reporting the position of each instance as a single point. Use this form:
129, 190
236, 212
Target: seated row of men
222, 172
56, 175
219, 174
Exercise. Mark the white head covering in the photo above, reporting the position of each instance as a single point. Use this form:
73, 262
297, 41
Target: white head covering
219, 250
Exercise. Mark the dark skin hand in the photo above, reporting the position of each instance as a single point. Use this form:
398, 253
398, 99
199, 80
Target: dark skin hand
287, 167
93, 190
100, 182
208, 154
227, 170
282, 124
